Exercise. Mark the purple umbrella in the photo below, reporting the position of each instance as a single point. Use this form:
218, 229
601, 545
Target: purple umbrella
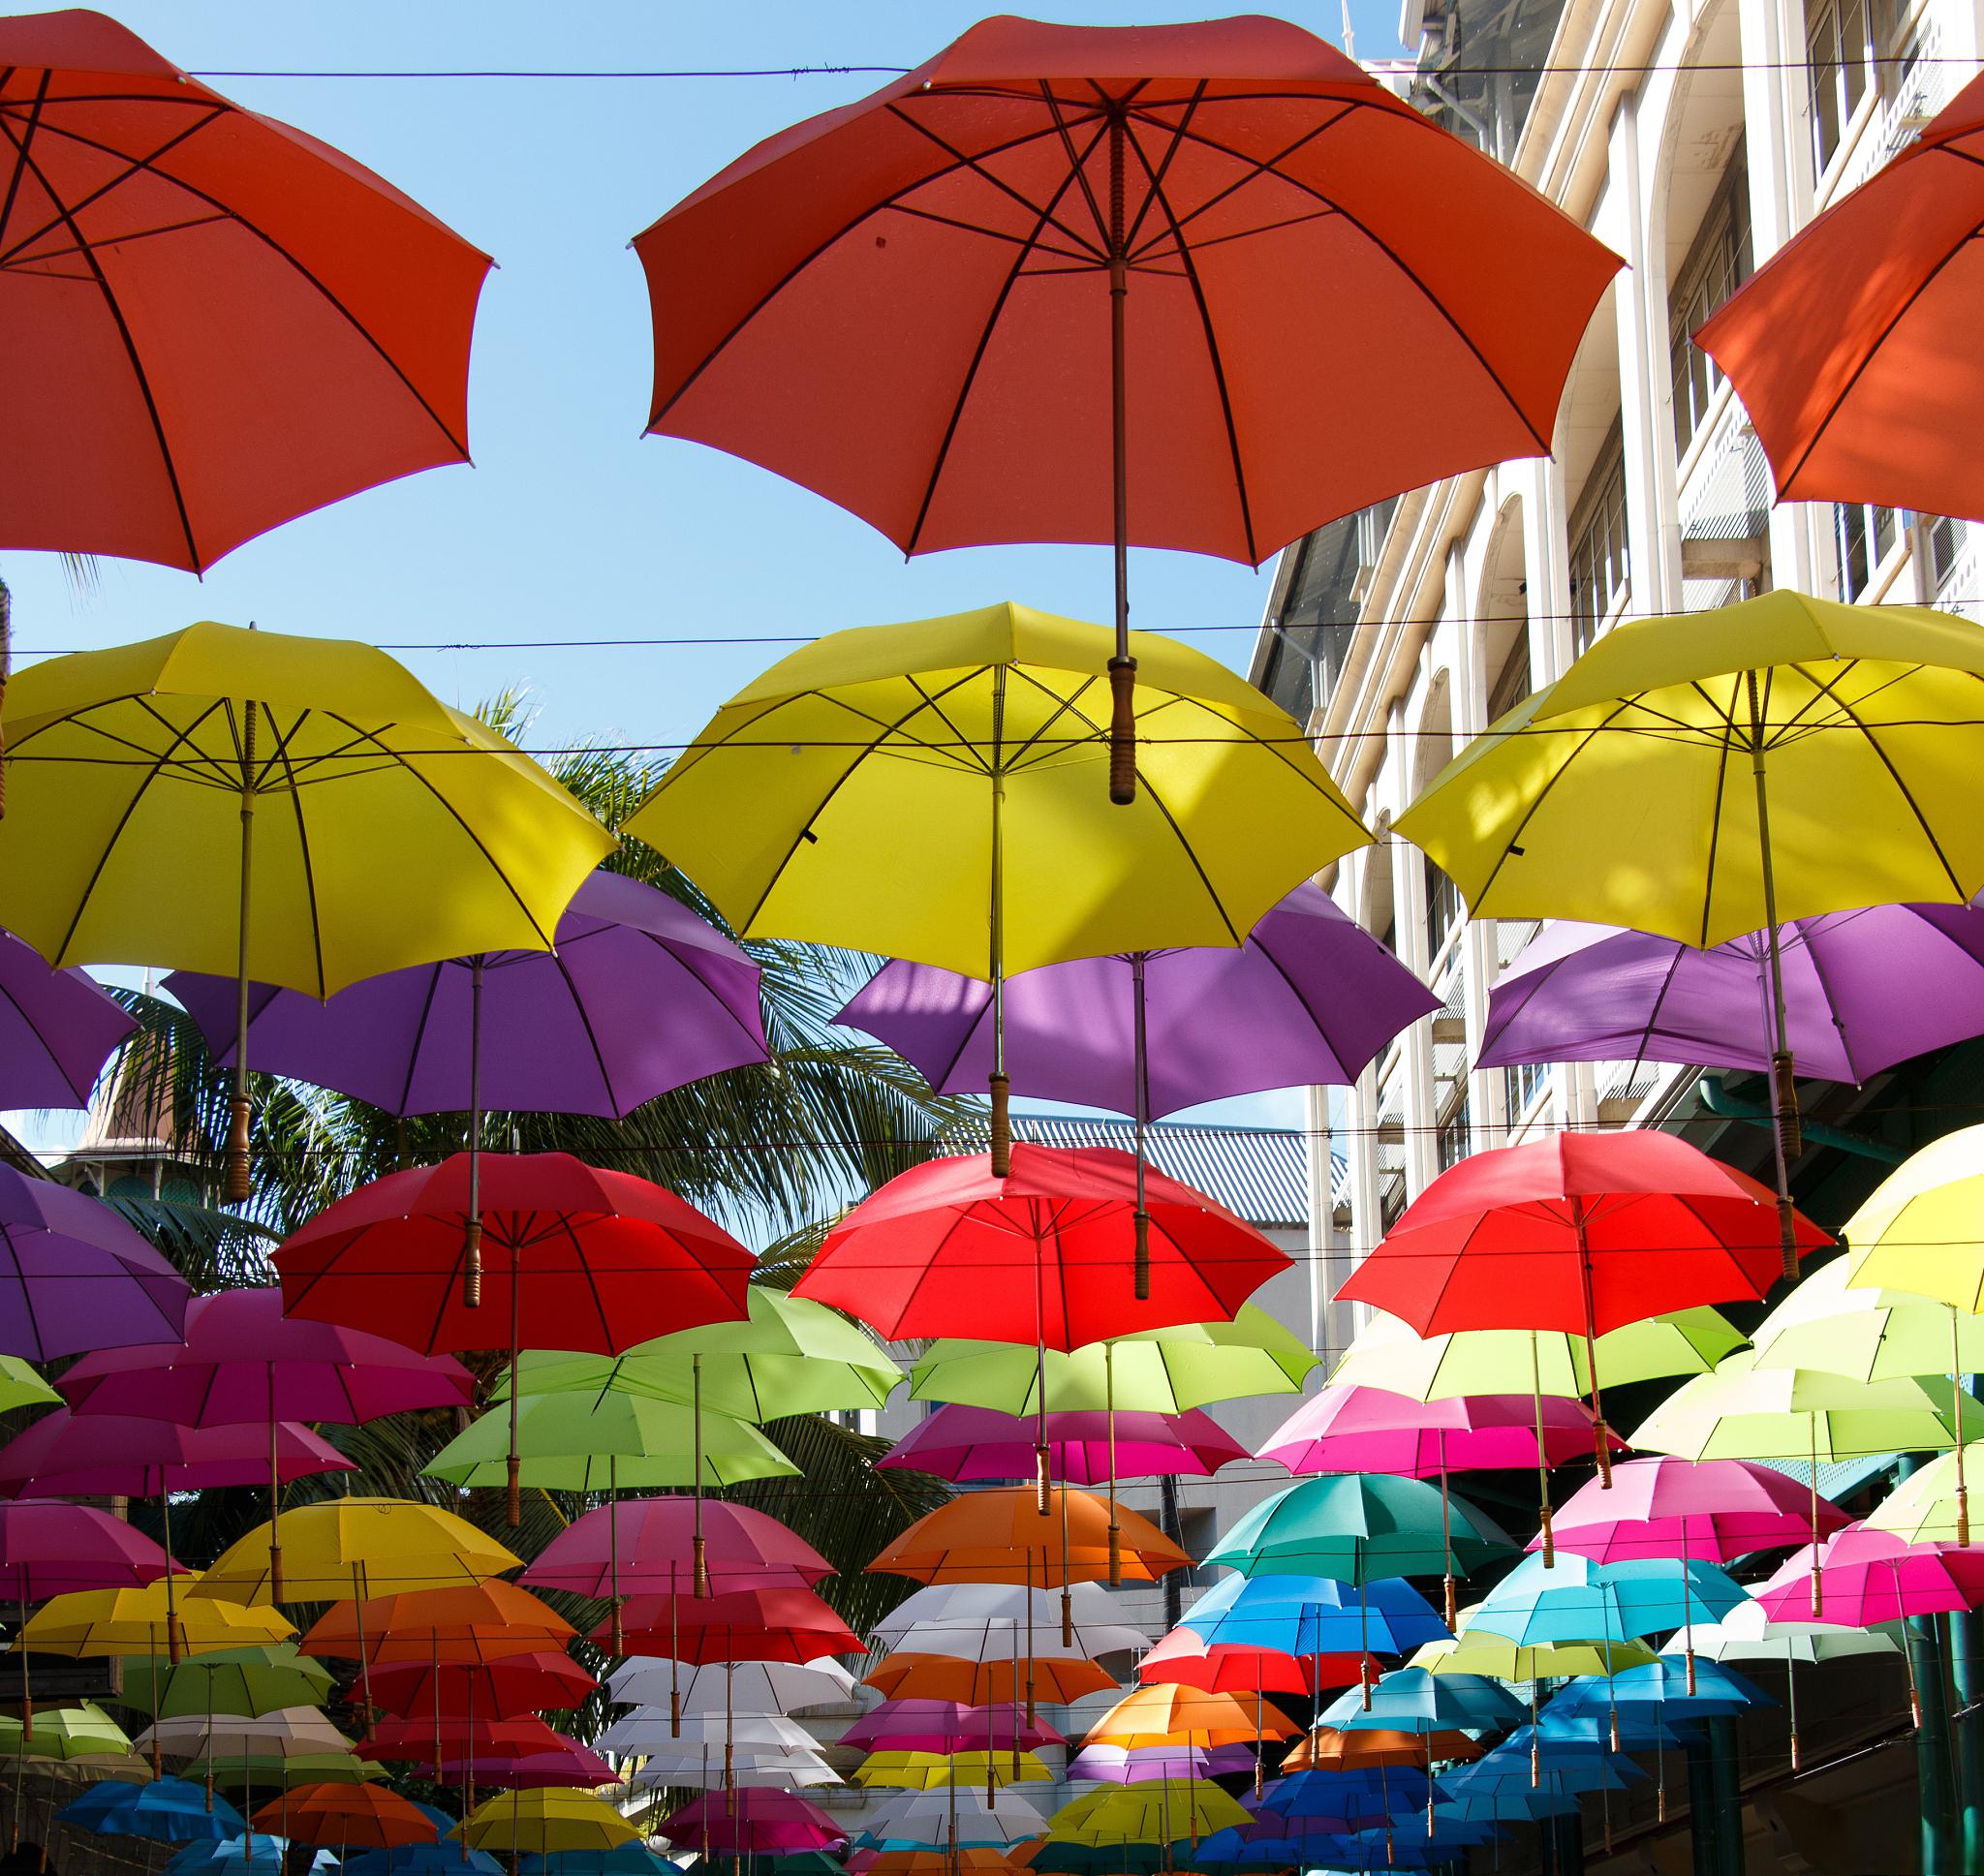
1309, 999
1863, 990
1115, 1764
50, 1549
639, 997
75, 1276
57, 1028
245, 1364
959, 1442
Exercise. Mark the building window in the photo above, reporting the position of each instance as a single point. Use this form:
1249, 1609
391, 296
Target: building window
1945, 549
1864, 536
1521, 1084
1512, 681
1843, 43
1453, 1138
1717, 265
1443, 908
1598, 564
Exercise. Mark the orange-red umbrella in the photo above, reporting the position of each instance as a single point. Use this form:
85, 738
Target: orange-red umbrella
345, 1814
211, 322
1168, 1714
1327, 1749
782, 1624
1854, 349
1052, 246
1003, 1536
1057, 1679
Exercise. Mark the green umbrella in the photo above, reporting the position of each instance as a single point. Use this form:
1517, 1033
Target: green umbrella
247, 1680
1924, 1507
600, 1442
790, 1355
83, 1732
1358, 1527
1876, 1335
1159, 1370
305, 1768
22, 1387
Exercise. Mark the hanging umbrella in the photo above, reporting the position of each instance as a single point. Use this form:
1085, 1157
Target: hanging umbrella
1058, 1678
1349, 1428
358, 1816
928, 1770
750, 1821
361, 1547
982, 784
1835, 377
1577, 1600
167, 1810
647, 1729
977, 1443
542, 1822
1156, 1811
84, 1731
242, 1362
1102, 1618
741, 1687
257, 1679
1049, 221
1495, 1657
57, 1028
944, 1726
73, 1275
286, 1731
1056, 1238
1189, 1660
124, 1456
1718, 1510
1580, 1233
1747, 1633
1917, 1233
504, 1688
919, 1820
220, 734
1166, 1715
1863, 990
453, 1737
1309, 999
249, 1770
698, 1767
249, 1855
745, 1548
989, 1637
1002, 1536
592, 1258
1314, 1616
791, 1625
427, 1860
1117, 1765
485, 1621
567, 1765
1828, 706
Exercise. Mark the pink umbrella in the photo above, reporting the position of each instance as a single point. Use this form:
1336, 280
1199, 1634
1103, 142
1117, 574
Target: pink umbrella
570, 1763
958, 1443
243, 1362
748, 1822
1368, 1429
947, 1726
1872, 1576
48, 1549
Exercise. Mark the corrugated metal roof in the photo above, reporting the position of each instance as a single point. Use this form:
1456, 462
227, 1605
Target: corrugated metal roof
1259, 1172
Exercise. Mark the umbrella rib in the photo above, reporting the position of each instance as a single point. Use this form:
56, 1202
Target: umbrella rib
282, 755
1723, 753
23, 161
1157, 193
1044, 217
1874, 345
419, 1036
1832, 1003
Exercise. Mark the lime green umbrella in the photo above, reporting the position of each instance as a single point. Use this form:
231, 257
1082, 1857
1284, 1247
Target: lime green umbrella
22, 1387
1157, 1371
248, 1680
1926, 1507
81, 1732
600, 1442
307, 1769
1877, 1335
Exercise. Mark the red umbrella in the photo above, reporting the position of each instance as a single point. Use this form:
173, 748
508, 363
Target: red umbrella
1185, 1659
425, 1738
1047, 1255
567, 1764
596, 1260
1580, 1233
642, 1545
504, 1688
1051, 245
1854, 347
739, 1625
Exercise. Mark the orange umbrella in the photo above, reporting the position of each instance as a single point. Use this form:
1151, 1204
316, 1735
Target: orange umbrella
1329, 1749
371, 1815
1057, 1679
934, 1862
1165, 1713
1855, 350
1003, 1536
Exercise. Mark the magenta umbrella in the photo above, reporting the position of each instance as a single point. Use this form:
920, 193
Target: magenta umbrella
960, 1442
947, 1726
51, 1548
1115, 1764
1371, 1429
242, 1362
570, 1763
750, 1821
75, 1276
57, 1028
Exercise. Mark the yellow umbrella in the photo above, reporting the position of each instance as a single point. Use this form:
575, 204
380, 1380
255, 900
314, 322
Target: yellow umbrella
934, 791
543, 1821
1922, 1230
1151, 1810
296, 811
921, 1771
1721, 772
358, 1548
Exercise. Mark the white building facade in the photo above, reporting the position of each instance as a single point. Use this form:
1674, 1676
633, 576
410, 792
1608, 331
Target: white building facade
1694, 137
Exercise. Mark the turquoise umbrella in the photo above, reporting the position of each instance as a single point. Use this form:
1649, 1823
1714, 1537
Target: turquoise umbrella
1577, 1600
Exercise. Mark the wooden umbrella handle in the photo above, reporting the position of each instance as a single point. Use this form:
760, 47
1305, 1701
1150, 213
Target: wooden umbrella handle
1123, 730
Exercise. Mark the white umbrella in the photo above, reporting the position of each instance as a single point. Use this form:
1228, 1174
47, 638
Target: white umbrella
952, 1603
648, 1728
935, 1820
288, 1733
736, 1687
775, 1770
995, 1638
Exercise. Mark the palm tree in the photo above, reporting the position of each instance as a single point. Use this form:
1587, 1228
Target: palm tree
775, 1149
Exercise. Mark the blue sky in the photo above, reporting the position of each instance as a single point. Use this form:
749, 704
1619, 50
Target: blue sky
570, 525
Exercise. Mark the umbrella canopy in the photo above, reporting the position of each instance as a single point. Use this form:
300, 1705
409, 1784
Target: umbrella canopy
1718, 1510
927, 1771
1117, 1765
362, 1546
426, 1860
167, 1810
1309, 999
250, 1854
1495, 1657
84, 1731
57, 1028
250, 1770
1836, 380
1917, 1232
1168, 1714
1867, 1333
990, 1637
1314, 1616
942, 1726
1663, 1684
366, 1816
483, 1622
919, 1819
1357, 1526
89, 1625
730, 1687
73, 1275
598, 1442
1414, 1700
974, 1443
453, 1737
644, 1543
1926, 1507
1863, 990
640, 996
48, 1549
1751, 1633
751, 1820
1157, 1371
1577, 1600
286, 1733
1153, 1811
1871, 1576
256, 1679
567, 1765
1005, 1536
504, 1688
646, 1729
119, 1455
264, 326
967, 1607
1349, 1427
1042, 1256
542, 1822
792, 1625
1189, 1660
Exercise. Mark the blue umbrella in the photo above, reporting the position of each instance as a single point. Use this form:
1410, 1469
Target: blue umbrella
1529, 1761
1577, 1600
243, 1855
622, 1859
167, 1810
1610, 1732
1342, 1800
1314, 1616
423, 1859
1412, 1699
1665, 1685
1229, 1849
